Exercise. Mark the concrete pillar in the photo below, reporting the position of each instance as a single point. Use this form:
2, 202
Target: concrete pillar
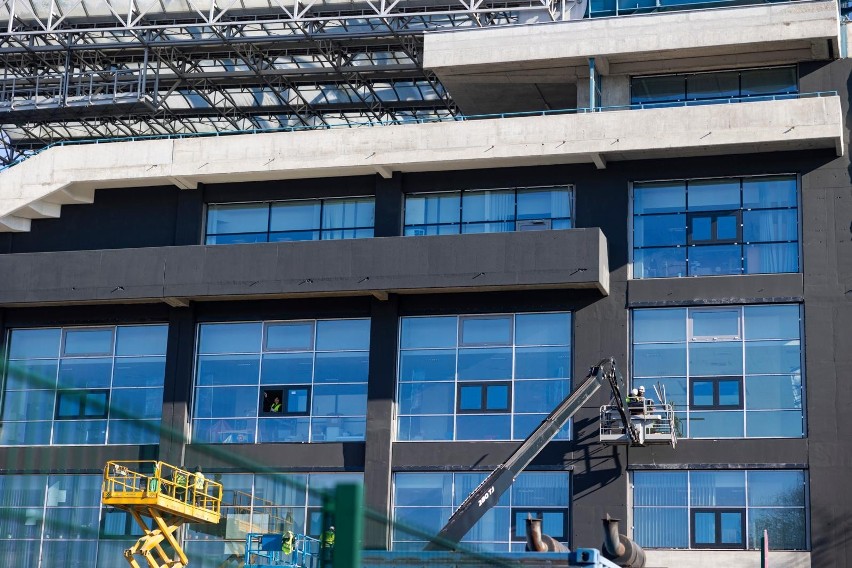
177, 391
389, 206
380, 432
615, 90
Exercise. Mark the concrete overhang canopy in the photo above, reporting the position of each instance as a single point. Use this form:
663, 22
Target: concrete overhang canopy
558, 259
527, 59
71, 174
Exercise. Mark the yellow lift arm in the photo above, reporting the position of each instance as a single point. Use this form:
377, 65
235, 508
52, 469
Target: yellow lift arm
169, 496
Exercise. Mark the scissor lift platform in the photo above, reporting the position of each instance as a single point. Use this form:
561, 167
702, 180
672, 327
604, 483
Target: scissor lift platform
169, 496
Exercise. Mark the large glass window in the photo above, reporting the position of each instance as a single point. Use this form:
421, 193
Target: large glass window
729, 371
84, 385
260, 503
285, 381
482, 377
302, 220
57, 520
701, 88
489, 211
720, 509
713, 227
425, 501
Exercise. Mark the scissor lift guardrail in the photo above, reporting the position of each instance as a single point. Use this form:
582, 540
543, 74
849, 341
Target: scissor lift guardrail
169, 496
266, 550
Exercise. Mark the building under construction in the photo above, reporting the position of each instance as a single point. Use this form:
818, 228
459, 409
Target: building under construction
298, 243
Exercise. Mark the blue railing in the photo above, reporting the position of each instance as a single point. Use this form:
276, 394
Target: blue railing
456, 118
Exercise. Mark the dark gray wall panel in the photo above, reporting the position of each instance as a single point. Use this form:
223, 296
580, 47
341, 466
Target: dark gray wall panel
119, 218
277, 457
750, 289
69, 459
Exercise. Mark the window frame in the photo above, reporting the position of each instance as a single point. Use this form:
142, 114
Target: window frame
687, 245
83, 401
678, 371
714, 217
716, 405
718, 512
483, 386
319, 230
685, 98
285, 400
538, 513
515, 222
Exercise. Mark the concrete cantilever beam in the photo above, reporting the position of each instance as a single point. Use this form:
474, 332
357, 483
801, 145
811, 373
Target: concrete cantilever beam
65, 175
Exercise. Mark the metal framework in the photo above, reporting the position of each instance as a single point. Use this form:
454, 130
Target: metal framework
91, 69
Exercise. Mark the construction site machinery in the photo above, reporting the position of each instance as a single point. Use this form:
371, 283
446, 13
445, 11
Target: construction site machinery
646, 424
486, 495
169, 496
269, 550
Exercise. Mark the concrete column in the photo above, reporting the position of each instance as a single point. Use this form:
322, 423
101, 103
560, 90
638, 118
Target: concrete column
177, 391
615, 90
380, 433
389, 206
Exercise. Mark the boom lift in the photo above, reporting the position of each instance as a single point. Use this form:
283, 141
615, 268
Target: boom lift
632, 429
169, 496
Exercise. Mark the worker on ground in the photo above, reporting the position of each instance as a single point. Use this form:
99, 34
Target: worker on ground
287, 544
199, 487
181, 481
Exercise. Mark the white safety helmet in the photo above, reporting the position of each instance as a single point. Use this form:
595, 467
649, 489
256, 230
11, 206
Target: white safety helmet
641, 389
634, 392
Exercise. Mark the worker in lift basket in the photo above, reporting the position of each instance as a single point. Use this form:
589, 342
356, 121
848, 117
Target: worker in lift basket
635, 404
647, 403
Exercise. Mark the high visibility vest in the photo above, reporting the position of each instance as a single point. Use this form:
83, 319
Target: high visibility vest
276, 407
180, 479
287, 542
328, 539
199, 481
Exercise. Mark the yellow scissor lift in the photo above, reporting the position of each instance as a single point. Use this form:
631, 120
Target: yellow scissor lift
169, 496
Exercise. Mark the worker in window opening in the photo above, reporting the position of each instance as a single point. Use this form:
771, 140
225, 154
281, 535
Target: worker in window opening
634, 404
276, 405
287, 544
199, 486
181, 481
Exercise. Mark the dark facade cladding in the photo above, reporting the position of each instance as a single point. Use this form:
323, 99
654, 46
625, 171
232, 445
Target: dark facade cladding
146, 242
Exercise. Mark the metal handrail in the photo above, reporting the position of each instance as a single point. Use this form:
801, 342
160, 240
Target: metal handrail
428, 120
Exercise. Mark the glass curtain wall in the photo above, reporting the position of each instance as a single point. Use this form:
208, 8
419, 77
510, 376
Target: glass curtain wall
425, 501
489, 211
730, 371
57, 520
262, 503
714, 86
287, 381
720, 509
482, 377
715, 227
298, 220
84, 386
